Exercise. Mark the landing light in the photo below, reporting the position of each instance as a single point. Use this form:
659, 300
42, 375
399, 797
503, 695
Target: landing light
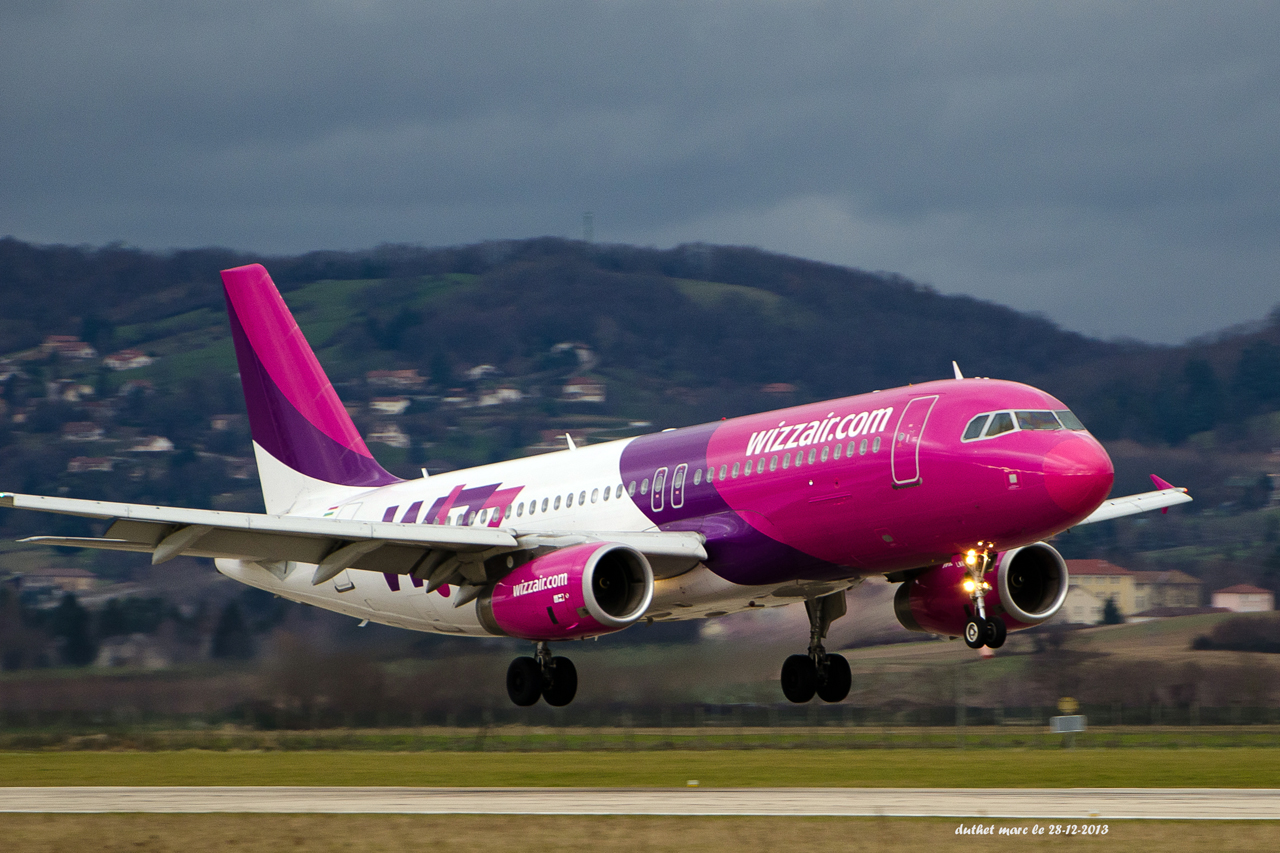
968, 585
971, 558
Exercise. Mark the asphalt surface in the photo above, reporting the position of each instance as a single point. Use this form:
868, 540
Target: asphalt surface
1082, 804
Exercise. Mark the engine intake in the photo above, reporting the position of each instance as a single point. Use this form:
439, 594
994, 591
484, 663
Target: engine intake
1030, 586
580, 591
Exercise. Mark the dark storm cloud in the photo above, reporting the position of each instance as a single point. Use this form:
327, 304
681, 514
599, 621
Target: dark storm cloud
1110, 165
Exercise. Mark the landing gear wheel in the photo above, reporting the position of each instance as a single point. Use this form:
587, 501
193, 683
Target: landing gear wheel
563, 682
996, 632
835, 687
524, 681
975, 633
799, 678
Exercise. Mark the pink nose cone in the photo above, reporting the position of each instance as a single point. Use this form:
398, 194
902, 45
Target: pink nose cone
1078, 475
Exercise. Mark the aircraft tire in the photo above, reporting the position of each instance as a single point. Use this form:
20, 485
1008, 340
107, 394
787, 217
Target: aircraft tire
524, 681
564, 682
975, 633
799, 678
835, 687
996, 632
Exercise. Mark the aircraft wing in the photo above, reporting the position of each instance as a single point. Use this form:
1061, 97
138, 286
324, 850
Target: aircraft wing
332, 544
1163, 498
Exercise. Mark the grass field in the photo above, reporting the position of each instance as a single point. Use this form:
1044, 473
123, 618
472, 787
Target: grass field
250, 833
1213, 768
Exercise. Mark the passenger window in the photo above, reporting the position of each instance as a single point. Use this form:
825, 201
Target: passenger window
760, 467
813, 454
852, 445
631, 490
1001, 422
786, 461
557, 504
568, 500
519, 509
875, 445
773, 463
697, 477
644, 487
1038, 420
735, 470
862, 448
974, 429
724, 469
826, 451
544, 504
799, 458
582, 497
507, 514
607, 490
836, 455
618, 493
711, 473
747, 468
595, 495
1069, 420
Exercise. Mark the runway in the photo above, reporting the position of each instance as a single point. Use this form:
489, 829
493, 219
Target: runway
1079, 804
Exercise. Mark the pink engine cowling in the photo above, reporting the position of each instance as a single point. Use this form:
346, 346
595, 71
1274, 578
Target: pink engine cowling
1029, 585
580, 591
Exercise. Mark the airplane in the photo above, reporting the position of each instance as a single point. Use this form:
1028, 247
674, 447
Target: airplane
949, 488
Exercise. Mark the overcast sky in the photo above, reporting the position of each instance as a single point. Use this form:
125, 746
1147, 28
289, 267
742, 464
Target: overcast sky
1113, 166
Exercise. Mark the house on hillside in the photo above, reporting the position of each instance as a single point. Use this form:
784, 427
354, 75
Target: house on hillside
68, 346
64, 579
152, 444
87, 464
82, 431
499, 396
1134, 592
1157, 590
127, 359
388, 405
1245, 598
401, 379
1082, 607
389, 434
580, 389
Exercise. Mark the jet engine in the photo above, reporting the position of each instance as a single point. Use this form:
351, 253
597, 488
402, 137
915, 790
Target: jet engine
1030, 585
575, 592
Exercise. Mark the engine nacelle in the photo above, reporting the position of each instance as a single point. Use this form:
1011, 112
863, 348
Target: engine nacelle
1029, 585
575, 592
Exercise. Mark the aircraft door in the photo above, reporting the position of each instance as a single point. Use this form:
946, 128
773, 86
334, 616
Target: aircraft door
905, 454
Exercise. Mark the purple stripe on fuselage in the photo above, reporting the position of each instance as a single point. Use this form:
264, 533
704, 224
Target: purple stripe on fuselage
736, 551
281, 430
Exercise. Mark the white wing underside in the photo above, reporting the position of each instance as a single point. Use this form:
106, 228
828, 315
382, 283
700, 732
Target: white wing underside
1134, 504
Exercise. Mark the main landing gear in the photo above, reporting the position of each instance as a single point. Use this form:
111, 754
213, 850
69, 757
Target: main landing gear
981, 630
818, 672
542, 676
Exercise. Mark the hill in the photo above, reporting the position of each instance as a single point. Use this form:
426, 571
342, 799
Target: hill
491, 335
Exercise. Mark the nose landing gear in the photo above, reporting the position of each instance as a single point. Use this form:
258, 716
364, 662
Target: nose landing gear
818, 672
981, 629
542, 676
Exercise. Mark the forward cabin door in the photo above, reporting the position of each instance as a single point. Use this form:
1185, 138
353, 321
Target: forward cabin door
905, 456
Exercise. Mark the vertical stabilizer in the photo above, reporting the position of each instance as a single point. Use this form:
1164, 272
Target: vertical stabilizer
308, 450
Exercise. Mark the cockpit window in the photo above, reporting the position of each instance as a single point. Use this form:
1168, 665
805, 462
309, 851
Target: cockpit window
1001, 422
974, 429
1038, 420
1069, 420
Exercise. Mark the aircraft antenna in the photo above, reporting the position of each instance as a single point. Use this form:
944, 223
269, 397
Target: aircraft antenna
956, 368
